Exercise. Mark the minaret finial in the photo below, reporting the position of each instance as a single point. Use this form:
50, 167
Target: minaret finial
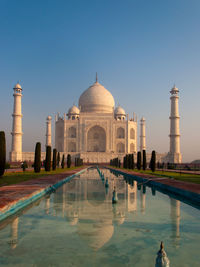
96, 78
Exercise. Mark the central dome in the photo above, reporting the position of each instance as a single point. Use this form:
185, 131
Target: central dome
96, 99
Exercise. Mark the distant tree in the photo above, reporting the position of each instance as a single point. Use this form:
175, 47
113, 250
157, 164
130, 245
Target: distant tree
63, 161
54, 159
144, 162
133, 163
126, 162
119, 163
2, 153
139, 160
75, 162
37, 160
129, 161
158, 165
48, 159
68, 161
153, 161
58, 159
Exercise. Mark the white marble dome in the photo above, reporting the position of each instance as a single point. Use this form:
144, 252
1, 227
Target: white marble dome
73, 110
96, 99
119, 111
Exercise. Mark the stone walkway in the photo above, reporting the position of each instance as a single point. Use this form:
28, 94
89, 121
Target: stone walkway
10, 195
192, 187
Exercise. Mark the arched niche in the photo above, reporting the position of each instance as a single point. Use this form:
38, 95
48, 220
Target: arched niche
72, 132
72, 147
96, 139
132, 133
120, 148
120, 133
132, 148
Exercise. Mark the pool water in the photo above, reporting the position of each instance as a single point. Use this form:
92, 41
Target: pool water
79, 226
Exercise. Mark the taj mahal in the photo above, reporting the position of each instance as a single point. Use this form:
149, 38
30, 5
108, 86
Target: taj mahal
96, 130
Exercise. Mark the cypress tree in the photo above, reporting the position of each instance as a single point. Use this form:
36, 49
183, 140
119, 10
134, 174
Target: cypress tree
133, 162
139, 161
2, 153
48, 159
144, 165
119, 163
126, 162
153, 161
37, 160
54, 159
68, 161
58, 159
129, 161
63, 161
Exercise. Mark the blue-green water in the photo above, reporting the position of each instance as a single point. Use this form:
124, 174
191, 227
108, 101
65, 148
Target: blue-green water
79, 226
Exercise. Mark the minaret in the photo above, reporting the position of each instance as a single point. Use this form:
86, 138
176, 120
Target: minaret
48, 131
16, 150
142, 134
174, 155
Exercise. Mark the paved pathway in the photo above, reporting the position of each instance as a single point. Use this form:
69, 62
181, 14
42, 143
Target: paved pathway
11, 194
192, 187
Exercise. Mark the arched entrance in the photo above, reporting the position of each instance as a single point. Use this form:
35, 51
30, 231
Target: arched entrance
96, 139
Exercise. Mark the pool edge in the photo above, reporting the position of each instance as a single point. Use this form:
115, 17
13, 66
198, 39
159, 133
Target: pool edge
25, 201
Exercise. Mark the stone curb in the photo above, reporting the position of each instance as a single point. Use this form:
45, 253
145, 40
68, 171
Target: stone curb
24, 201
191, 197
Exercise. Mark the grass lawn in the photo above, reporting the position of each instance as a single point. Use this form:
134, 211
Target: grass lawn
193, 178
14, 178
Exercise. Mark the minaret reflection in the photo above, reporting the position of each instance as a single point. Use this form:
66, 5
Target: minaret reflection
175, 219
14, 233
143, 199
47, 205
131, 196
64, 201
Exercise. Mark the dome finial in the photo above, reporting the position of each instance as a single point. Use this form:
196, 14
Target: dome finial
96, 78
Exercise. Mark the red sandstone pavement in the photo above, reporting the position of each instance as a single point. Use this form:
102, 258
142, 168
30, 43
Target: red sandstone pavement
195, 188
10, 195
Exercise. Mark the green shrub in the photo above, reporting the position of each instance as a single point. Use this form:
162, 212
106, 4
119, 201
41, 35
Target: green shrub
54, 159
24, 165
37, 160
7, 166
48, 159
2, 153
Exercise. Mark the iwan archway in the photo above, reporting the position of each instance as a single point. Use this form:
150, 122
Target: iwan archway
96, 139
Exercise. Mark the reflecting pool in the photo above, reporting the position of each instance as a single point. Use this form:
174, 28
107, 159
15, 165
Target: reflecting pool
79, 226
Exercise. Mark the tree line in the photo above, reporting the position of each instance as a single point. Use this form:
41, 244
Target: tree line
129, 163
48, 163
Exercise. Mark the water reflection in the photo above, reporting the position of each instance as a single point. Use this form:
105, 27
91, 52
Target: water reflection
175, 220
86, 204
14, 233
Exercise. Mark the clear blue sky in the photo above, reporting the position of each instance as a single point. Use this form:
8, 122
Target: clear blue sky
139, 48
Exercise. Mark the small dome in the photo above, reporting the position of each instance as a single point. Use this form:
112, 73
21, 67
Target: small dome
96, 99
174, 90
17, 86
119, 111
48, 118
142, 119
73, 110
